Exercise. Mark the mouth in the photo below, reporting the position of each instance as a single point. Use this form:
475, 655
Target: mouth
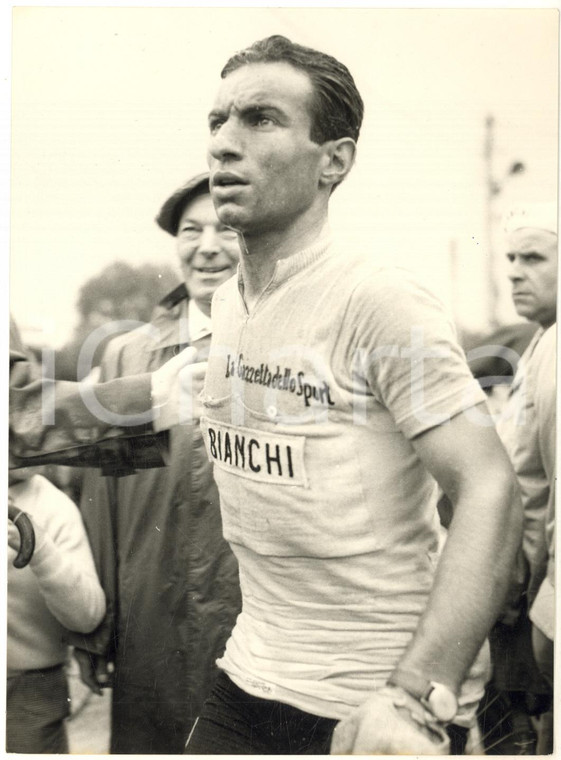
225, 180
212, 270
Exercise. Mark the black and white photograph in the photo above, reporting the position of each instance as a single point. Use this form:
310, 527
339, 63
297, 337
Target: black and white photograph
282, 295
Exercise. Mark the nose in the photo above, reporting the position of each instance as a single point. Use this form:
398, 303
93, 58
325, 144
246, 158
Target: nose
226, 142
209, 242
515, 271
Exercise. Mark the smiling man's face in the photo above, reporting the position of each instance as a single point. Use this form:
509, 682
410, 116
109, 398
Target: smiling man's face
208, 251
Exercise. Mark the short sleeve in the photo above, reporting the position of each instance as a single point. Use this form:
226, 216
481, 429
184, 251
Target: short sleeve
411, 358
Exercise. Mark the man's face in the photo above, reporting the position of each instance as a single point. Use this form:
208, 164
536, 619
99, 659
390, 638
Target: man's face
264, 168
208, 251
532, 254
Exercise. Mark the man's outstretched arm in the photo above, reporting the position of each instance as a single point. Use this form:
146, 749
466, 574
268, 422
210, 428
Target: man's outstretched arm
84, 424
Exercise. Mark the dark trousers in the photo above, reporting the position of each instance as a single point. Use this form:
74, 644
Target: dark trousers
143, 724
36, 706
233, 722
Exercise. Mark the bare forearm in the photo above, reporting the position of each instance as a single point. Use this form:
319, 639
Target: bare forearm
471, 582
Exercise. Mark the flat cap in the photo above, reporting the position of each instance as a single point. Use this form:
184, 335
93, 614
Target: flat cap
169, 214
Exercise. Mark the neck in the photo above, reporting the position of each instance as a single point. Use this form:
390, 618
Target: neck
546, 324
204, 306
261, 251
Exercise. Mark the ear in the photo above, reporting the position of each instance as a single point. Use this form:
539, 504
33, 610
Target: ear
339, 158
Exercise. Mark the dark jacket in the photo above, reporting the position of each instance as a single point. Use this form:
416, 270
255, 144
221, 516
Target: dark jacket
171, 579
51, 423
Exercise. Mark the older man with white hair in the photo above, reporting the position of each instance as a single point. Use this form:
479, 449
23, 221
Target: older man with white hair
531, 238
531, 250
531, 234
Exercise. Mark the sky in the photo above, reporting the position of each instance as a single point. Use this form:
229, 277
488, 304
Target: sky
108, 117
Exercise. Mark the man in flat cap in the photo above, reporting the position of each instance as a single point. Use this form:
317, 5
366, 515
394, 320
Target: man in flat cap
517, 691
170, 578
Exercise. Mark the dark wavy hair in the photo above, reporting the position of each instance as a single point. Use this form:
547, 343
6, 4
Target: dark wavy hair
336, 109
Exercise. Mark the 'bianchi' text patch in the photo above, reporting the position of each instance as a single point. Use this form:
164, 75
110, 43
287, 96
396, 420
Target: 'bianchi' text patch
255, 454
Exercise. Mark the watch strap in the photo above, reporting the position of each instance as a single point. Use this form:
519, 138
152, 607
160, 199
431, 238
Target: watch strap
416, 685
436, 697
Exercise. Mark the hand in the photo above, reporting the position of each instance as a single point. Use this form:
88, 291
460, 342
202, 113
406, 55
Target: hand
510, 614
183, 404
191, 384
512, 608
93, 670
390, 722
175, 387
13, 536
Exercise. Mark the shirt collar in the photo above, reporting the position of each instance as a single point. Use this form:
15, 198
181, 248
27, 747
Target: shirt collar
199, 323
288, 267
179, 321
521, 370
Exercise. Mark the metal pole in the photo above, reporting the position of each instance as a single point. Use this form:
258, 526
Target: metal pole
492, 190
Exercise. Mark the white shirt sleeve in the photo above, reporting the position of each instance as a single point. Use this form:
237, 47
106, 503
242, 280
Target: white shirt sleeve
62, 562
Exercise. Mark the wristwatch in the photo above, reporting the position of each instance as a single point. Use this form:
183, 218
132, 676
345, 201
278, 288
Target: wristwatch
436, 697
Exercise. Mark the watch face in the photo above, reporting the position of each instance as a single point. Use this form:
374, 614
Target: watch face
442, 702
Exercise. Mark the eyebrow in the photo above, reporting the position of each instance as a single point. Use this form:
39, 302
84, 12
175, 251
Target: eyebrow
247, 110
251, 109
214, 114
525, 253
